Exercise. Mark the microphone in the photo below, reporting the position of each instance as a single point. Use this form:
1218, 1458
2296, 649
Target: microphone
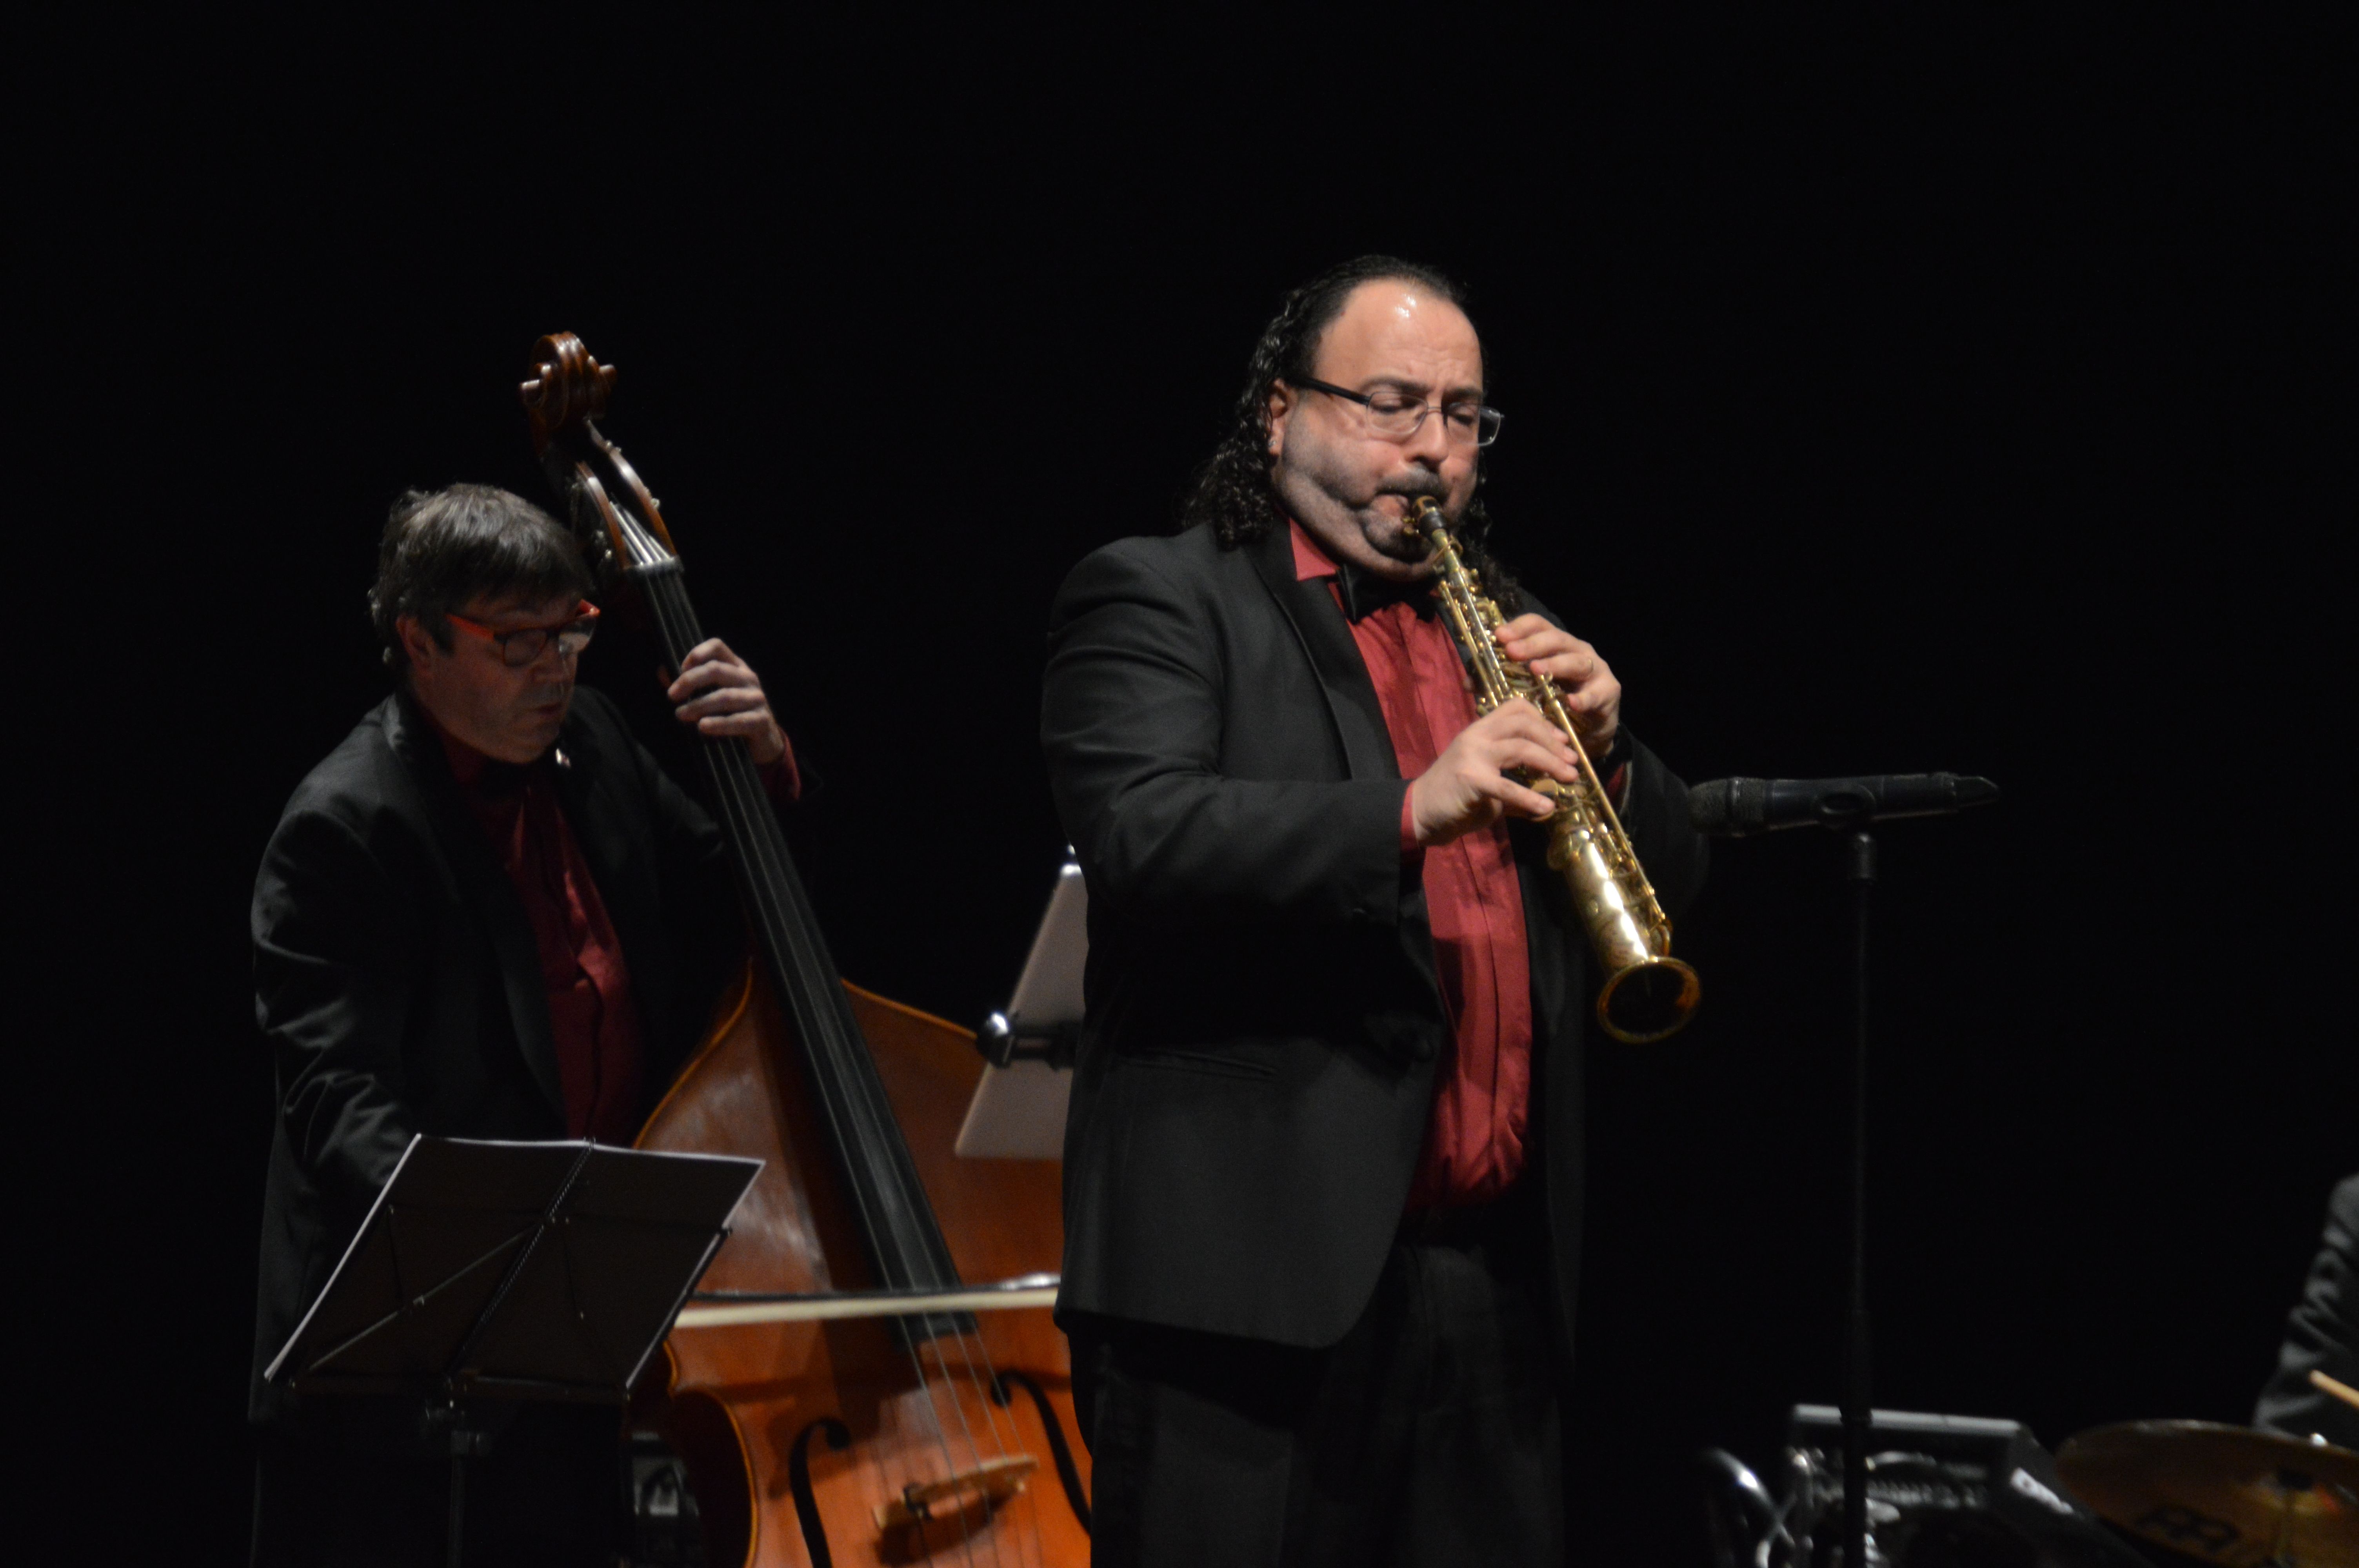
1738, 808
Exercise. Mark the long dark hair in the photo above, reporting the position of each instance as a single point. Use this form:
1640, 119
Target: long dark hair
1232, 494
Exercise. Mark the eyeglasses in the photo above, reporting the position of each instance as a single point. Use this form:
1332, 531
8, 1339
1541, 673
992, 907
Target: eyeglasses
525, 643
1396, 415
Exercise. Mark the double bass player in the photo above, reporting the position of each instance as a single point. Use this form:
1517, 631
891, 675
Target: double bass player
487, 913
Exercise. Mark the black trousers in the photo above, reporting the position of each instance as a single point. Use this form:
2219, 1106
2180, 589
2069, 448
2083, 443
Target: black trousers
1428, 1435
548, 1495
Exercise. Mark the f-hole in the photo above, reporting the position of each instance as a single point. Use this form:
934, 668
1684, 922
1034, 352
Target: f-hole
1059, 1450
798, 1481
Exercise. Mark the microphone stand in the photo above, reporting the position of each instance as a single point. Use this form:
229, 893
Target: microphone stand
1846, 807
1855, 1378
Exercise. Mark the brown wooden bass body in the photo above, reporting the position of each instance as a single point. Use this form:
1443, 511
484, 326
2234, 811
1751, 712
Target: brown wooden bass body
738, 1398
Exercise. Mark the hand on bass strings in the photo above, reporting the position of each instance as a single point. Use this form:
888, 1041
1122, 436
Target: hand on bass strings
719, 694
1591, 695
1467, 787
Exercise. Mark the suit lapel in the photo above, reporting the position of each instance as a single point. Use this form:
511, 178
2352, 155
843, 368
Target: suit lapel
484, 886
1325, 638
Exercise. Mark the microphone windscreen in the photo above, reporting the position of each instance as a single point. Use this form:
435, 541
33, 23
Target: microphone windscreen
1726, 806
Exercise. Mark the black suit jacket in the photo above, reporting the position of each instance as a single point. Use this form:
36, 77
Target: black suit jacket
396, 981
2321, 1334
1256, 1064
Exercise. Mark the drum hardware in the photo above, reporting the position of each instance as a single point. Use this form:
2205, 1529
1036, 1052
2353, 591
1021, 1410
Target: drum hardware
1944, 1491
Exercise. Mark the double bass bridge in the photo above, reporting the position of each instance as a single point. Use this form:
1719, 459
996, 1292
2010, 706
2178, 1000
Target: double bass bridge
991, 1482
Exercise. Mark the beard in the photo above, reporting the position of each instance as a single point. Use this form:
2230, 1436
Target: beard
1319, 491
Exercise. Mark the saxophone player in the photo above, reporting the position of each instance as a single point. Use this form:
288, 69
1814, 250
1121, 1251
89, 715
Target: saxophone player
1322, 1169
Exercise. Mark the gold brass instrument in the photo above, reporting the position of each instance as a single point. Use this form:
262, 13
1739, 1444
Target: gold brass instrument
1647, 993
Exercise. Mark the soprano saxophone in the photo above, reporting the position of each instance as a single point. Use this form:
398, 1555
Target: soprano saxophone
1647, 993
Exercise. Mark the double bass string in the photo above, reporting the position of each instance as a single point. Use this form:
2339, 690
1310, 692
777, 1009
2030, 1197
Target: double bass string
970, 1343
986, 1388
740, 799
983, 1385
934, 1415
730, 767
767, 881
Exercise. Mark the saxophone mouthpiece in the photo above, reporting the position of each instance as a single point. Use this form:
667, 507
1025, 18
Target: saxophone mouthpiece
1424, 516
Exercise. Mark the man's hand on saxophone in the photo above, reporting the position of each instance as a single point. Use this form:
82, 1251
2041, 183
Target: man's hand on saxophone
1468, 788
1591, 695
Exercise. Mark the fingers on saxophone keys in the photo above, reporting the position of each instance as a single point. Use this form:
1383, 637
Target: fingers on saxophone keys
1523, 628
1525, 803
1544, 753
1523, 718
1556, 653
1549, 752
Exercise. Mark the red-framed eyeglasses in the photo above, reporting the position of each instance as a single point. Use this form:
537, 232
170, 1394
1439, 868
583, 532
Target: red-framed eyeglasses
525, 643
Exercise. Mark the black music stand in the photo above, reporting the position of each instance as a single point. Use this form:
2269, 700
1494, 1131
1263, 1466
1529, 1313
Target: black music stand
513, 1271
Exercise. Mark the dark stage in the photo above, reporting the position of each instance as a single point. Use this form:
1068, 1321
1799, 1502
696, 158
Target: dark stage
1950, 392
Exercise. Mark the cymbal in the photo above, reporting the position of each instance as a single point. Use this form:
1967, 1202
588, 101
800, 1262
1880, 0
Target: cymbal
2225, 1494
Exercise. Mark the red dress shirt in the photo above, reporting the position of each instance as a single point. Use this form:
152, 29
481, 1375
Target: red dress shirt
593, 1022
1474, 1143
594, 1019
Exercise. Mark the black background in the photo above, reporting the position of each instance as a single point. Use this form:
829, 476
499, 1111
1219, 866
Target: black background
1941, 390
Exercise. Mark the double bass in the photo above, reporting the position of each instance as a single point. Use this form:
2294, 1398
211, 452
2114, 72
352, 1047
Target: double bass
837, 1390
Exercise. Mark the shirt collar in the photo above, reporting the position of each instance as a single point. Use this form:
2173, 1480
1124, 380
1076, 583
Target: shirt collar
1309, 561
1360, 593
467, 764
471, 769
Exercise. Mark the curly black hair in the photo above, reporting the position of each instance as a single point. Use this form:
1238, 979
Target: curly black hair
1232, 494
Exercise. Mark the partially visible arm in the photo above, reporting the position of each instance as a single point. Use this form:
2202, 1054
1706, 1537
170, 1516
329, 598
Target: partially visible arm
2323, 1334
331, 994
1131, 721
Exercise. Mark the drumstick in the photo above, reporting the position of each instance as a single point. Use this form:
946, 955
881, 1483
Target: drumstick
2344, 1391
